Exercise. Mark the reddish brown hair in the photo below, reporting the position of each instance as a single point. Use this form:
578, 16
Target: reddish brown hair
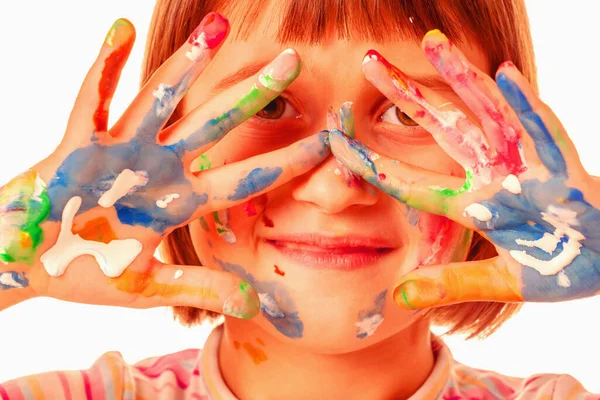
501, 30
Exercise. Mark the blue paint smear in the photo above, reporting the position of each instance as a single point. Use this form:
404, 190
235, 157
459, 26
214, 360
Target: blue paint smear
290, 324
377, 309
256, 181
18, 278
545, 146
519, 216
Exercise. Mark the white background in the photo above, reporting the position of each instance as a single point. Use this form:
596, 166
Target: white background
46, 48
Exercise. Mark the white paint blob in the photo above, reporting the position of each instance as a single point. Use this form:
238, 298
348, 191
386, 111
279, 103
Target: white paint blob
123, 185
164, 202
113, 258
479, 212
178, 274
548, 242
198, 45
270, 306
337, 172
561, 219
512, 184
368, 325
563, 280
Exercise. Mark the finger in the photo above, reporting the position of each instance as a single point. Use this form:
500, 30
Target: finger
93, 101
536, 118
194, 286
223, 114
235, 183
424, 190
157, 100
481, 95
440, 285
449, 126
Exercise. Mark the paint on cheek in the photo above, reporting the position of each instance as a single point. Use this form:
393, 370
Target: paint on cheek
24, 205
249, 208
13, 280
437, 233
236, 344
221, 218
256, 181
369, 320
113, 258
267, 221
462, 248
144, 283
412, 214
278, 271
204, 224
125, 183
96, 230
257, 355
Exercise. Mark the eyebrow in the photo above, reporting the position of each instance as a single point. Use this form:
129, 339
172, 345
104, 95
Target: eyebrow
434, 82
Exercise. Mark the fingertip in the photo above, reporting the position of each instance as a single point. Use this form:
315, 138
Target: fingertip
122, 33
243, 302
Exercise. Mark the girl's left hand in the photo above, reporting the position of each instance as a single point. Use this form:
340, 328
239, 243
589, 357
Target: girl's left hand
526, 193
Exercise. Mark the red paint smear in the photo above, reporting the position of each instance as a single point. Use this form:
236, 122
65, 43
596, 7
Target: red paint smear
420, 114
267, 221
261, 200
278, 271
249, 208
108, 83
382, 176
214, 26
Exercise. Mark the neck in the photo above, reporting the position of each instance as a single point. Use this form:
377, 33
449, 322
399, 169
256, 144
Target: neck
270, 369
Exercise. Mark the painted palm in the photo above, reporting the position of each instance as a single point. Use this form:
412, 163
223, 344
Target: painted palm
525, 189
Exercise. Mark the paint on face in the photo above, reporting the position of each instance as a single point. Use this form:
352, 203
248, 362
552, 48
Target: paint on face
369, 320
257, 355
412, 214
347, 119
267, 221
221, 218
256, 181
204, 224
249, 208
112, 257
13, 280
276, 306
278, 271
96, 230
24, 205
166, 200
120, 37
208, 35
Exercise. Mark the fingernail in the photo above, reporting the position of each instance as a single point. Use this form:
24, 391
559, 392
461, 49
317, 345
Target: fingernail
210, 32
413, 294
221, 218
353, 154
120, 34
281, 71
243, 302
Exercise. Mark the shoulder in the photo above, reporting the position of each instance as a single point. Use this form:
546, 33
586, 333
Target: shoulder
478, 383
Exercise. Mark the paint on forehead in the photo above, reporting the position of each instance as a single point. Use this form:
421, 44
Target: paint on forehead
257, 180
24, 205
277, 305
370, 319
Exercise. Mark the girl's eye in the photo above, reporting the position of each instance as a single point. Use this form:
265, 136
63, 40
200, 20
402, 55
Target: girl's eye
395, 116
277, 109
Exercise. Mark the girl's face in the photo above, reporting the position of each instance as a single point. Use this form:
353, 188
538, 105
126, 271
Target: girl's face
324, 251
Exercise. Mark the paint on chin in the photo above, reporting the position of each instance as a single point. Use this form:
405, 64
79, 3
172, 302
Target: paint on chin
276, 306
370, 319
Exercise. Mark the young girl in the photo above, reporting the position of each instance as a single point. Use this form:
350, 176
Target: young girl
321, 272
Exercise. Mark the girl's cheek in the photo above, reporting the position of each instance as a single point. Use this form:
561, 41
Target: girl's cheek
442, 240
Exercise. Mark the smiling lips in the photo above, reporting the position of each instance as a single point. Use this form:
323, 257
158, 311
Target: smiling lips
346, 253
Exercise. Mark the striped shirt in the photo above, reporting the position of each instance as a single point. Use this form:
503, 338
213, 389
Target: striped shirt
195, 374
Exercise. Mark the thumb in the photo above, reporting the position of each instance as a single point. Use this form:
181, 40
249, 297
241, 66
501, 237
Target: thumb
440, 285
194, 286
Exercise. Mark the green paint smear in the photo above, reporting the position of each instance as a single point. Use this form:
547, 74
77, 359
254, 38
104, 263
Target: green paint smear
247, 104
204, 224
445, 193
38, 210
204, 163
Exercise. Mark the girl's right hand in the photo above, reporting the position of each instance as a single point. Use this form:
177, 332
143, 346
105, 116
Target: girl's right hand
90, 235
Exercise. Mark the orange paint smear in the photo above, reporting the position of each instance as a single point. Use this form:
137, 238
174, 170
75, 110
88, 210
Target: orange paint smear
278, 271
257, 355
144, 283
260, 341
236, 344
96, 230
